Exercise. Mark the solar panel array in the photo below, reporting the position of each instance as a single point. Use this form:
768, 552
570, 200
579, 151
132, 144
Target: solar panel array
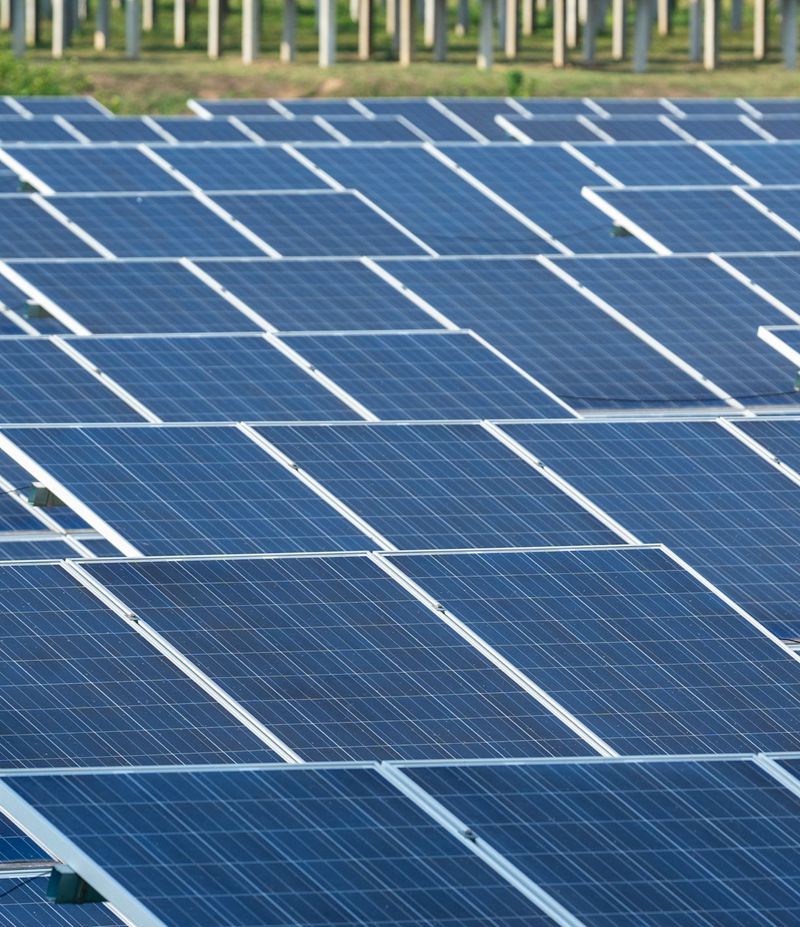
399, 503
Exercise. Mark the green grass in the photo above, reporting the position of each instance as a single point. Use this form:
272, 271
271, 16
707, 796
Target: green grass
163, 78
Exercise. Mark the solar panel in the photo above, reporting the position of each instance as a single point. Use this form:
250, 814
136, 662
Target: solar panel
62, 106
777, 273
697, 489
765, 161
636, 129
17, 846
629, 643
14, 299
17, 130
544, 184
9, 182
699, 219
443, 486
703, 314
318, 295
555, 106
675, 164
324, 222
549, 329
121, 129
281, 129
775, 105
337, 659
717, 128
552, 128
694, 106
40, 383
435, 124
28, 907
27, 231
80, 169
133, 296
320, 106
428, 198
192, 129
51, 549
645, 844
785, 128
191, 490
158, 225
632, 107
240, 167
479, 113
334, 846
236, 107
82, 688
379, 129
785, 201
204, 378
781, 438
13, 516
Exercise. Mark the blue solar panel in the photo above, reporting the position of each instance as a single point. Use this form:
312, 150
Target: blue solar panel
62, 106
435, 124
27, 231
697, 489
782, 438
629, 643
658, 165
480, 113
280, 129
123, 296
9, 182
318, 295
445, 486
548, 328
240, 167
337, 659
193, 129
704, 315
207, 379
333, 846
13, 516
167, 225
18, 130
696, 219
239, 108
15, 845
631, 107
555, 106
785, 201
545, 183
636, 129
647, 844
82, 688
40, 383
765, 161
779, 274
36, 550
786, 128
13, 298
319, 106
553, 128
428, 198
718, 128
28, 907
100, 547
777, 105
122, 129
194, 490
693, 106
318, 223
447, 375
80, 169
380, 129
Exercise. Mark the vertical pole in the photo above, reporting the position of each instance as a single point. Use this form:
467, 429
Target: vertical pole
101, 21
18, 25
462, 23
179, 24
59, 28
641, 38
133, 28
406, 37
251, 21
590, 30
512, 28
695, 31
663, 14
365, 28
148, 15
440, 30
5, 15
214, 28
559, 33
737, 15
710, 34
789, 32
618, 32
760, 26
354, 10
486, 36
528, 17
429, 9
572, 23
31, 23
327, 33
391, 16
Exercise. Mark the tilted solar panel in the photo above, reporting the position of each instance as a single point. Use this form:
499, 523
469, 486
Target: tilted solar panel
62, 106
379, 129
784, 128
480, 113
550, 128
435, 124
280, 129
17, 130
322, 106
27, 231
28, 907
632, 107
236, 107
656, 165
764, 161
718, 128
785, 201
694, 106
778, 274
192, 129
121, 129
629, 128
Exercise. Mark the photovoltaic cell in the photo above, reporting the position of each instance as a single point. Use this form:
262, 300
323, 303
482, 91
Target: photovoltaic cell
779, 274
549, 329
40, 383
380, 129
697, 489
701, 313
318, 223
675, 164
81, 688
240, 108
318, 295
544, 184
784, 128
764, 161
334, 845
15, 845
699, 220
648, 844
280, 129
27, 231
782, 438
429, 199
240, 167
447, 375
205, 379
133, 296
121, 129
555, 106
80, 169
718, 128
480, 113
18, 130
193, 129
693, 106
636, 129
629, 107
785, 201
776, 105
61, 106
438, 486
168, 225
430, 120
320, 106
628, 642
553, 128
337, 659
36, 550
193, 490
28, 907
